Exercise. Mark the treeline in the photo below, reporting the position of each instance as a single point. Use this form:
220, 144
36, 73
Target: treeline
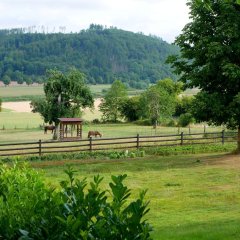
103, 54
159, 104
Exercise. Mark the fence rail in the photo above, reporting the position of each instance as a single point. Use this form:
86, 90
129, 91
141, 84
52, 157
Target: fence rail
96, 144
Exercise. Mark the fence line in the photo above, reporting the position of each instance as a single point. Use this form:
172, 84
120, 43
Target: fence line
96, 144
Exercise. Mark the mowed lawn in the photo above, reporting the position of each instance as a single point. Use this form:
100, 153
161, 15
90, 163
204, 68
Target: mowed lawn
191, 197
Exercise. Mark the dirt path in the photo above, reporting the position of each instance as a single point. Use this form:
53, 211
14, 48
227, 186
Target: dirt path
228, 160
17, 106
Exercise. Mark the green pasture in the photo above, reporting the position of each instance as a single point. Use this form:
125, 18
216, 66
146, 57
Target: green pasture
22, 128
194, 197
18, 127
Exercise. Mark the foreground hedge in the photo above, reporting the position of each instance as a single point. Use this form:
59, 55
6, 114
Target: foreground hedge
31, 210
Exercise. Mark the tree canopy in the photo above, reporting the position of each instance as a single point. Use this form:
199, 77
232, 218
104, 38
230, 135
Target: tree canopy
103, 54
65, 96
209, 59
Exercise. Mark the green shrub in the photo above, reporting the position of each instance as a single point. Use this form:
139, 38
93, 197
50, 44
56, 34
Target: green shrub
171, 123
96, 121
185, 119
191, 149
31, 210
25, 203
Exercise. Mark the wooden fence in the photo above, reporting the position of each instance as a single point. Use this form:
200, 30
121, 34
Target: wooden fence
95, 144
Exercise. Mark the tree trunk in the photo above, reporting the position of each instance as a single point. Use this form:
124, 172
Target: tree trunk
238, 140
55, 133
155, 124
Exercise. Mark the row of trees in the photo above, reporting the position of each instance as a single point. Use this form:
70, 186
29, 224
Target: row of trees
158, 103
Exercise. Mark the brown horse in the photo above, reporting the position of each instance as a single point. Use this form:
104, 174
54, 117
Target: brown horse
52, 128
94, 133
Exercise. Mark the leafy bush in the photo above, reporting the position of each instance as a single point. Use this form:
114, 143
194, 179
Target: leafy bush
31, 210
171, 123
185, 119
25, 203
191, 149
96, 121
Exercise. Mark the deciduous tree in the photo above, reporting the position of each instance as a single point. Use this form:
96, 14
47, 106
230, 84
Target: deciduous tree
65, 96
6, 80
158, 102
131, 108
112, 102
209, 60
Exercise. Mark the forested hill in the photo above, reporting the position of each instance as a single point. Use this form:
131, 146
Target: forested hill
103, 54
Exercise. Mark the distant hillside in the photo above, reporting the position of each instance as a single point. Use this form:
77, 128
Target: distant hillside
103, 54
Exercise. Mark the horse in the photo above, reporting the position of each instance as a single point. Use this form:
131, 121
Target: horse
52, 128
94, 133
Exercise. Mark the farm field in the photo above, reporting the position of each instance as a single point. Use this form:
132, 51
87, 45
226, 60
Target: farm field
15, 92
191, 197
18, 91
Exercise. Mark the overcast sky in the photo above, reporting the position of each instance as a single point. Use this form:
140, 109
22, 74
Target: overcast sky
164, 18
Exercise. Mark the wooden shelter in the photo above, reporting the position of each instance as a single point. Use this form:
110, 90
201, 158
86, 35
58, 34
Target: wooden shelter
70, 128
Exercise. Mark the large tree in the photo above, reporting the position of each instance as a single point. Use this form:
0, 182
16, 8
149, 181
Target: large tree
65, 96
111, 104
209, 60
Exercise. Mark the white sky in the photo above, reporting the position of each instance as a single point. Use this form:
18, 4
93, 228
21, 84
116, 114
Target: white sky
164, 18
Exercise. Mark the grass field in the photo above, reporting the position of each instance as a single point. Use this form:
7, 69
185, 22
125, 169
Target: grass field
18, 127
18, 91
14, 93
21, 92
192, 197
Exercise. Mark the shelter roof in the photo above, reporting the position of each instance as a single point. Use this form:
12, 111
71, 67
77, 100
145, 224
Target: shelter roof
70, 120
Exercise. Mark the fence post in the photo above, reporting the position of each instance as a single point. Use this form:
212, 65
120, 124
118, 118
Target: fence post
40, 147
90, 144
137, 141
181, 138
223, 135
